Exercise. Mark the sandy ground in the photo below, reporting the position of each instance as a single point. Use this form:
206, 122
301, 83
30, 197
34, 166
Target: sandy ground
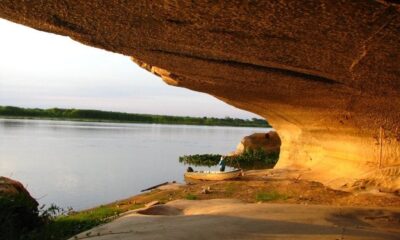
233, 219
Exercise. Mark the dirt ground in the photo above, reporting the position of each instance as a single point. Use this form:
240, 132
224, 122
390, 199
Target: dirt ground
274, 186
267, 204
233, 219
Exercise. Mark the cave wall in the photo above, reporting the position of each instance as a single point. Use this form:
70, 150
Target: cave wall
324, 73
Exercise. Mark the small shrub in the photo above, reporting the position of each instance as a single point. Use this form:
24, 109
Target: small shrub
18, 216
253, 159
191, 197
62, 224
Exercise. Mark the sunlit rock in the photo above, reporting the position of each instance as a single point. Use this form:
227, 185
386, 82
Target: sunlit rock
268, 142
324, 73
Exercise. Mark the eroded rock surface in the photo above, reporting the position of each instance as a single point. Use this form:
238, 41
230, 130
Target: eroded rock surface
325, 73
269, 142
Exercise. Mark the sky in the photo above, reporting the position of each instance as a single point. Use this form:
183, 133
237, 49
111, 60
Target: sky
44, 70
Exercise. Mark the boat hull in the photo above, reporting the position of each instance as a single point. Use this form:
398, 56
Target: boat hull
213, 176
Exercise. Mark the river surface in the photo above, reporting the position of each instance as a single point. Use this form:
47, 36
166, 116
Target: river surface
84, 164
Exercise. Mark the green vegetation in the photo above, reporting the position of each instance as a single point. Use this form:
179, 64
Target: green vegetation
253, 159
231, 188
65, 226
21, 221
200, 159
250, 159
96, 115
191, 197
18, 216
270, 196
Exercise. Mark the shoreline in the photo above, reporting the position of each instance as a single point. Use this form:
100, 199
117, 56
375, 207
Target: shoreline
256, 187
233, 219
113, 116
118, 121
258, 197
284, 188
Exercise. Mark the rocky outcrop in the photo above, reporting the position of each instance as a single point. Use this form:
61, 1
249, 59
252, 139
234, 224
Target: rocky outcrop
19, 212
269, 142
11, 188
325, 73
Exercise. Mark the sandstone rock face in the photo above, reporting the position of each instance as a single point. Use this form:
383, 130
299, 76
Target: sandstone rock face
269, 142
325, 73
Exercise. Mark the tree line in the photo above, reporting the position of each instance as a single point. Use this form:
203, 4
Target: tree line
97, 115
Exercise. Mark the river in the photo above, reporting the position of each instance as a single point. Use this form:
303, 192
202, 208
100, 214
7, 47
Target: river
84, 164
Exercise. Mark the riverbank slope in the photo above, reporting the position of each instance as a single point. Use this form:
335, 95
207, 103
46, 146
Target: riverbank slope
232, 219
264, 204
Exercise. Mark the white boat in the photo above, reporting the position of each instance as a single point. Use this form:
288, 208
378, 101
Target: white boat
214, 175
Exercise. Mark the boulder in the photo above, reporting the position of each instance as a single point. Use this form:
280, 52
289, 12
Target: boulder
12, 188
269, 142
19, 212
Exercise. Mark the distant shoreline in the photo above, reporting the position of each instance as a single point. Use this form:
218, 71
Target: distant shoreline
78, 115
115, 121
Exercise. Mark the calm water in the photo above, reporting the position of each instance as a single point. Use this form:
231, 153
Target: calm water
81, 165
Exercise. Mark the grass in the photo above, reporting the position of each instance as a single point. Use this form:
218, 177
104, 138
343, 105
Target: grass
191, 197
270, 196
64, 227
231, 189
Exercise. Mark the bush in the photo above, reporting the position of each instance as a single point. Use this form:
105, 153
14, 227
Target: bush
59, 223
191, 197
250, 159
18, 216
21, 219
253, 159
200, 159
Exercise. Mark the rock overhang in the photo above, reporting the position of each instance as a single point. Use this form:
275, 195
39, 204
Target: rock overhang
324, 73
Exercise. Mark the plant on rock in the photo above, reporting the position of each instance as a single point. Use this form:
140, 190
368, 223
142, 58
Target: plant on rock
249, 159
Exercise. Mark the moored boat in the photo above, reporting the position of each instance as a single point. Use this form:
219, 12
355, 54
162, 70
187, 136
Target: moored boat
213, 176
